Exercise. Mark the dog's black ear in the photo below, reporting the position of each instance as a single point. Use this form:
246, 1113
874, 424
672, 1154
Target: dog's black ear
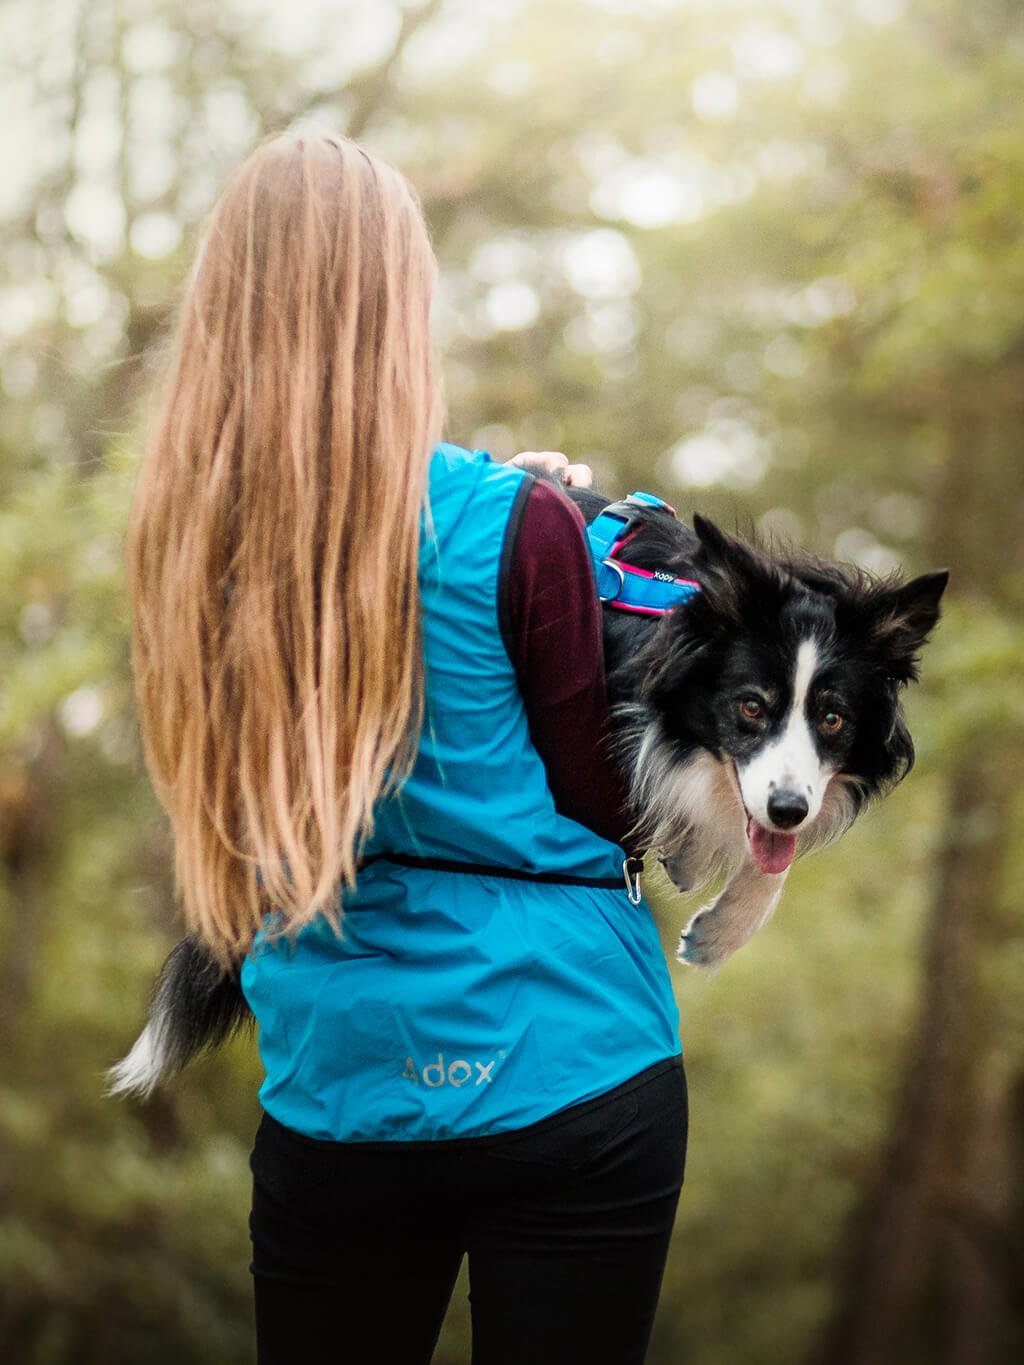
721, 549
901, 619
734, 578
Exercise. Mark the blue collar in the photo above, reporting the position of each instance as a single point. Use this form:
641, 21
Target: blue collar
624, 586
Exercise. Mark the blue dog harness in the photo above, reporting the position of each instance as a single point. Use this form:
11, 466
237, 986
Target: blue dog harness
648, 592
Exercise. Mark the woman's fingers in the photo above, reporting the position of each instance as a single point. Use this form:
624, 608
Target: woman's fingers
578, 475
544, 461
554, 462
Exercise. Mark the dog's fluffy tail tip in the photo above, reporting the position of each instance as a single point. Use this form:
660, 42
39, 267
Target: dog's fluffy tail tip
142, 1070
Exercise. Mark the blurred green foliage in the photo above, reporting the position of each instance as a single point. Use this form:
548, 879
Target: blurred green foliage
766, 257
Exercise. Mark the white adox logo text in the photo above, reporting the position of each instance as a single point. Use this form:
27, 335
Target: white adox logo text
459, 1072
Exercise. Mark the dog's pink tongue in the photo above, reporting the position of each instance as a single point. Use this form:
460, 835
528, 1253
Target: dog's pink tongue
773, 853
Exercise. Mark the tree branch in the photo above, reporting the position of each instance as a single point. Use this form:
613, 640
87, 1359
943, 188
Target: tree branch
370, 88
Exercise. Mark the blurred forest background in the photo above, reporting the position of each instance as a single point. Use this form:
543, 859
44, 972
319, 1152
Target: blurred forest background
765, 257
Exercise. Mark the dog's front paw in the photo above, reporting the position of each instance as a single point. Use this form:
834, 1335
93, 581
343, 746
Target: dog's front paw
717, 930
700, 944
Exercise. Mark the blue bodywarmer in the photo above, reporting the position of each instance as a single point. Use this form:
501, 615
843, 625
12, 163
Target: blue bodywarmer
490, 970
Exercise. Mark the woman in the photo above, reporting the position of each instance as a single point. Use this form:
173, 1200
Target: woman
370, 687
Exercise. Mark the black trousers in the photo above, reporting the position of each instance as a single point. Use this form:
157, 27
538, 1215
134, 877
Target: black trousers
566, 1223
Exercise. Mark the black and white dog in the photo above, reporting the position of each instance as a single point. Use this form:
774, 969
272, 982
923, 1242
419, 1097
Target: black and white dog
758, 718
755, 721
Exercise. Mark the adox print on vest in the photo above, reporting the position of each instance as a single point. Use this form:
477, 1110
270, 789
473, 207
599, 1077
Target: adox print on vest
491, 970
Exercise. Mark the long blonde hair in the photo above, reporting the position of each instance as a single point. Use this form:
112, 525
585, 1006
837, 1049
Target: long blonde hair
273, 540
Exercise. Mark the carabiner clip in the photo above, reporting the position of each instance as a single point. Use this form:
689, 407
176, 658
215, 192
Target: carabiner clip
631, 869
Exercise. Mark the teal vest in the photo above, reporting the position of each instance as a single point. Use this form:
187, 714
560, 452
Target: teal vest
491, 969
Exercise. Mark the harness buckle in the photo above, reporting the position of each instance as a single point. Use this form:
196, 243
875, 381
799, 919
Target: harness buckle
631, 869
641, 499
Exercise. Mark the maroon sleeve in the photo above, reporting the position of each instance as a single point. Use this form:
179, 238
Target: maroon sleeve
551, 623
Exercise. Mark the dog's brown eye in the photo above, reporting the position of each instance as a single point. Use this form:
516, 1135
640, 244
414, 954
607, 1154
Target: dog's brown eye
832, 722
751, 709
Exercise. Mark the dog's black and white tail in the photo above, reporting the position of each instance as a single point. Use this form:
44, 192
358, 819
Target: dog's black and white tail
196, 1005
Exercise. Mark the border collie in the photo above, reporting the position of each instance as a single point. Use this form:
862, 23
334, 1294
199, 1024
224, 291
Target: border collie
759, 717
755, 721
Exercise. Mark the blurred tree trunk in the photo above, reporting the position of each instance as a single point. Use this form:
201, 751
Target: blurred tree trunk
28, 800
914, 1271
901, 1232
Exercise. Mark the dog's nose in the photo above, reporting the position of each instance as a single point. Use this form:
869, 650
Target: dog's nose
786, 809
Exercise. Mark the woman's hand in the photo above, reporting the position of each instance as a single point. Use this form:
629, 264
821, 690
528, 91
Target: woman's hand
554, 462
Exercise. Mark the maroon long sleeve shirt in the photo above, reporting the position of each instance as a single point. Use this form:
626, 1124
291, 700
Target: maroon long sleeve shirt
551, 624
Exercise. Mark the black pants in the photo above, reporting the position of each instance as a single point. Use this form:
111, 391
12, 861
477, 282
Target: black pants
566, 1223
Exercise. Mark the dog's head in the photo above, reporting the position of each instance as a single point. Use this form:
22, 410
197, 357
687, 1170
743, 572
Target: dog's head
773, 699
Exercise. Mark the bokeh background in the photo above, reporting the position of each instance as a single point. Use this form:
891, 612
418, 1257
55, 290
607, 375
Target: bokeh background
765, 257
